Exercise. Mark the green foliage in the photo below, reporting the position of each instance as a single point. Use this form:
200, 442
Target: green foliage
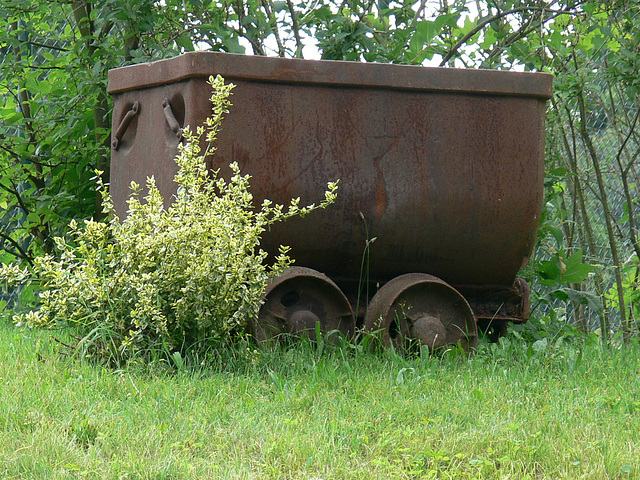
591, 136
630, 288
563, 269
55, 113
556, 274
164, 279
560, 272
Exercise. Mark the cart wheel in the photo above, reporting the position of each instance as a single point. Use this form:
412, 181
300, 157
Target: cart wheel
417, 306
297, 301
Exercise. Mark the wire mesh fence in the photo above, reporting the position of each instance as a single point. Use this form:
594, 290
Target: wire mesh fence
597, 195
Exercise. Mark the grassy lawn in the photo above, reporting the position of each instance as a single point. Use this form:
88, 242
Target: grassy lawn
510, 411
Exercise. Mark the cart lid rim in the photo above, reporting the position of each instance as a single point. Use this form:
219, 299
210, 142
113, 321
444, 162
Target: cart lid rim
232, 67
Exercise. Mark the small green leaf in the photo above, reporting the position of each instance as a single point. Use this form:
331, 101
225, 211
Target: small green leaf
540, 345
33, 218
576, 270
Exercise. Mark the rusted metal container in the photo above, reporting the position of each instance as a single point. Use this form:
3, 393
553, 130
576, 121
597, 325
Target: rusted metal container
444, 167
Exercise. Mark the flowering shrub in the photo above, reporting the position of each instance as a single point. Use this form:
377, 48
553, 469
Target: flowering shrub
163, 278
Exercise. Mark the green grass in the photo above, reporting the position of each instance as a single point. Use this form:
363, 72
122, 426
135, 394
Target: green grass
554, 412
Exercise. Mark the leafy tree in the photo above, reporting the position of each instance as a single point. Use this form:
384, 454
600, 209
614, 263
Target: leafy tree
55, 112
593, 140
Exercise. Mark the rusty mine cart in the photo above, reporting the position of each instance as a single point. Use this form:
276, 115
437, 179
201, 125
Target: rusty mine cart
443, 166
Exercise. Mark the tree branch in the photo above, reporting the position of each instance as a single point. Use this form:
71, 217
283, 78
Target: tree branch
268, 7
454, 49
296, 29
19, 251
607, 214
46, 45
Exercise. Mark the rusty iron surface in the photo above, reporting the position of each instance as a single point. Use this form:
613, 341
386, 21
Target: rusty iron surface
493, 303
298, 300
418, 306
443, 166
328, 73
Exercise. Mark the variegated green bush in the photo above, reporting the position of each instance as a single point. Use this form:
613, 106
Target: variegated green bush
164, 279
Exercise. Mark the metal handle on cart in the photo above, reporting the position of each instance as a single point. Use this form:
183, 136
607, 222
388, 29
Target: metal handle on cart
124, 124
171, 119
